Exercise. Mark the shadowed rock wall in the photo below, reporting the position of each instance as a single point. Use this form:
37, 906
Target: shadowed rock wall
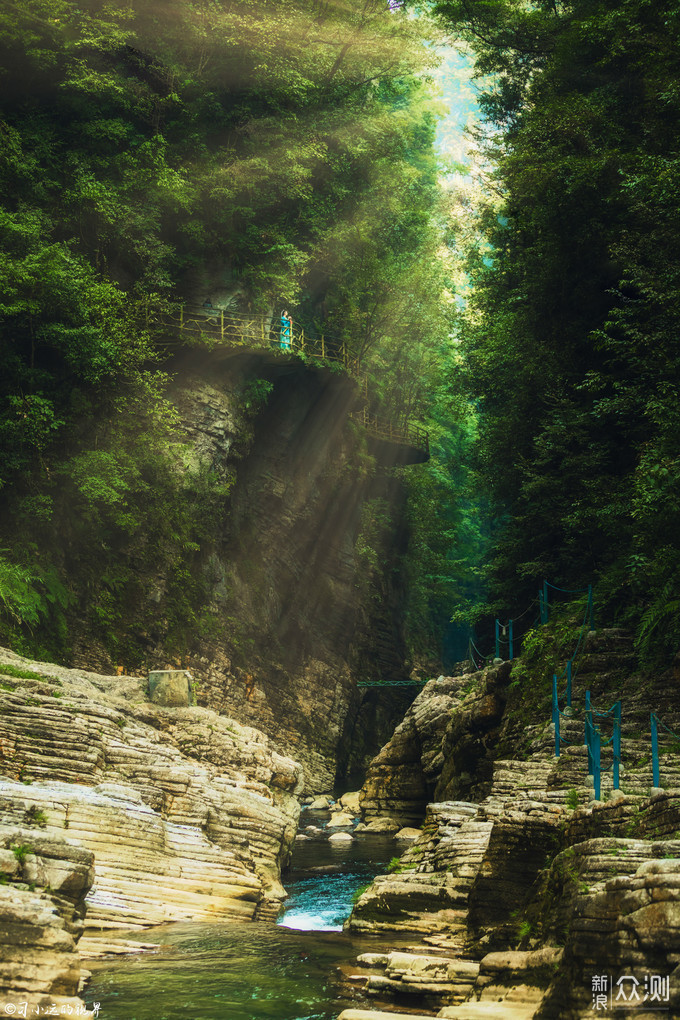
296, 618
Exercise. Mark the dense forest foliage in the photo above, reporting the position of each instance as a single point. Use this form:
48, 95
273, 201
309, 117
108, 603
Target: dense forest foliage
280, 154
570, 333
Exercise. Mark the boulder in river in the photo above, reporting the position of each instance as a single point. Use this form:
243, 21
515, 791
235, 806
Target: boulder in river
388, 825
350, 802
341, 821
409, 834
340, 837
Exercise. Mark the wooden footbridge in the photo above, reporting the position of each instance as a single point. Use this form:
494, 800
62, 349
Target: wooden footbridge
215, 327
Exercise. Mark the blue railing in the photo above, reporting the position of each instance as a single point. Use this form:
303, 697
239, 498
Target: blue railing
569, 672
504, 640
594, 744
655, 723
544, 604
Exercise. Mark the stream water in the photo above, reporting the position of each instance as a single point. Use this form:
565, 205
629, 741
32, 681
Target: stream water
252, 971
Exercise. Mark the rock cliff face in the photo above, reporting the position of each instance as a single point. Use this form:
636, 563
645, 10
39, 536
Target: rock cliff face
441, 749
293, 624
529, 888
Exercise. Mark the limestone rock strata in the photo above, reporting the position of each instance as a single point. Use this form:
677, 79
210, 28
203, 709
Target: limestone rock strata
430, 895
422, 975
445, 733
188, 813
627, 925
531, 881
42, 904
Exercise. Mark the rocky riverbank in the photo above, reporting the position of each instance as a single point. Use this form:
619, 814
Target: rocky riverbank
526, 898
119, 813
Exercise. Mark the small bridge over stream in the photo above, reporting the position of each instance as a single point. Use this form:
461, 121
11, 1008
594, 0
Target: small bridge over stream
398, 442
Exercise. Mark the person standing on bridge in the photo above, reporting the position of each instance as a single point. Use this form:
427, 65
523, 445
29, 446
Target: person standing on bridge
286, 331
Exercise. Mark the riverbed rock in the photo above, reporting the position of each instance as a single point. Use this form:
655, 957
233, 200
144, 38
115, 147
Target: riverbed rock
388, 825
320, 804
42, 904
430, 895
341, 837
414, 974
350, 802
340, 821
532, 863
188, 813
409, 834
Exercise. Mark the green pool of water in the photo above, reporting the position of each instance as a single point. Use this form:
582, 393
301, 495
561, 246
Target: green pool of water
252, 971
255, 971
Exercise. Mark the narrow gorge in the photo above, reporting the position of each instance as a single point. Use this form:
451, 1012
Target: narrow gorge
339, 509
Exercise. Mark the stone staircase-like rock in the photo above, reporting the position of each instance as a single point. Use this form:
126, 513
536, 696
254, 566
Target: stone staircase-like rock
537, 886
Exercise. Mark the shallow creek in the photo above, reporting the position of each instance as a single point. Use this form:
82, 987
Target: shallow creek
253, 971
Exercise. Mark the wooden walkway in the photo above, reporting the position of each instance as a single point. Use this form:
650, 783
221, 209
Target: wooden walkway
215, 327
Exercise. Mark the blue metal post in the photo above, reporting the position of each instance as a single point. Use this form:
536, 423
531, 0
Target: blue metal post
510, 640
595, 739
616, 744
569, 683
591, 618
586, 737
556, 716
498, 640
656, 779
545, 600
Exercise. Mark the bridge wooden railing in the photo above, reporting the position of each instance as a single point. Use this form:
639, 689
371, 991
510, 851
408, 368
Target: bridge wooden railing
256, 331
405, 434
219, 327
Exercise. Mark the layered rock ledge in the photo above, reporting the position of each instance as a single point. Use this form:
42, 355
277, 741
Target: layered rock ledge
522, 894
188, 813
42, 905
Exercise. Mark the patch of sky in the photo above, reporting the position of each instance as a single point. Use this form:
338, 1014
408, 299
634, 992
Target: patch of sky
459, 93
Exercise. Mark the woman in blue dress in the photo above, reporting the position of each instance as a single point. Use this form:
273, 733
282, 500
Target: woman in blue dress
286, 331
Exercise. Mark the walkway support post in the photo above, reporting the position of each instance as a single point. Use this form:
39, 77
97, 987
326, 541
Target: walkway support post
545, 600
556, 717
498, 640
510, 639
656, 779
597, 776
616, 745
